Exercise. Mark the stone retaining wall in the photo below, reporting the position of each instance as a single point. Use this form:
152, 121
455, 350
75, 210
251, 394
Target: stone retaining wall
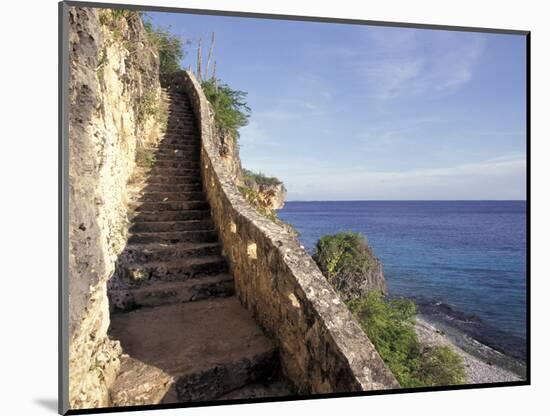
322, 347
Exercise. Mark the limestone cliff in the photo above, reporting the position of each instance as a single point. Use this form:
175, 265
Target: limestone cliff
113, 72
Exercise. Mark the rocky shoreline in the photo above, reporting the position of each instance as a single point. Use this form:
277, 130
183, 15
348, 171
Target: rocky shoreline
483, 364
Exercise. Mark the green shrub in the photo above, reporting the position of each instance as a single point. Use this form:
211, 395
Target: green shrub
341, 257
229, 105
390, 327
441, 366
169, 46
251, 179
149, 106
145, 157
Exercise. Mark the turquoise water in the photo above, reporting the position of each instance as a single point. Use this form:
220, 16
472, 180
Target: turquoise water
464, 261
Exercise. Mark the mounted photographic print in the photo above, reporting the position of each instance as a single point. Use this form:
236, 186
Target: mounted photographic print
267, 208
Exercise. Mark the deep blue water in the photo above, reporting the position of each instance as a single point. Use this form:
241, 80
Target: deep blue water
462, 259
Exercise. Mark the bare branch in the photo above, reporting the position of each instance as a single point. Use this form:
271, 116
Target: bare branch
210, 51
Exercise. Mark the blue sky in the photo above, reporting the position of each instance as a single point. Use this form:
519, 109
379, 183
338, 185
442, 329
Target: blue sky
352, 112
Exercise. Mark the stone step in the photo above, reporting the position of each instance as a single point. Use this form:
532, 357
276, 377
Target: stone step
180, 101
181, 164
182, 137
176, 127
177, 270
169, 147
172, 172
161, 226
178, 157
191, 141
175, 115
180, 107
156, 252
172, 150
181, 134
217, 348
182, 215
177, 104
155, 178
161, 170
149, 196
173, 187
172, 206
164, 293
184, 148
196, 236
177, 136
272, 388
180, 120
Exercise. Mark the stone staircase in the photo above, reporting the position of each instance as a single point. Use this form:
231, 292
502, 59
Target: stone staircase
184, 333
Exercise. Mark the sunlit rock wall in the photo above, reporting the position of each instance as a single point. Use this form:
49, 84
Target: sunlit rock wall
112, 68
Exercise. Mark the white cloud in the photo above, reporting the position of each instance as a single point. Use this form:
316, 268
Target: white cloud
393, 77
395, 65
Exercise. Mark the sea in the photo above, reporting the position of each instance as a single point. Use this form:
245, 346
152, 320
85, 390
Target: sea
462, 262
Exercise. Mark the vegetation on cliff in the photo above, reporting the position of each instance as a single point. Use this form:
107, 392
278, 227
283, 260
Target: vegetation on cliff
231, 112
342, 257
390, 326
265, 192
169, 46
349, 264
230, 109
260, 201
345, 259
253, 179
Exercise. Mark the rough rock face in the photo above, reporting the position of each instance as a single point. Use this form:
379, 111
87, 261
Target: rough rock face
279, 198
110, 73
358, 286
273, 196
229, 151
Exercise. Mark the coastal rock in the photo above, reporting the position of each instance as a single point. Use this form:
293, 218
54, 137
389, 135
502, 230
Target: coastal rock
359, 285
272, 196
349, 264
